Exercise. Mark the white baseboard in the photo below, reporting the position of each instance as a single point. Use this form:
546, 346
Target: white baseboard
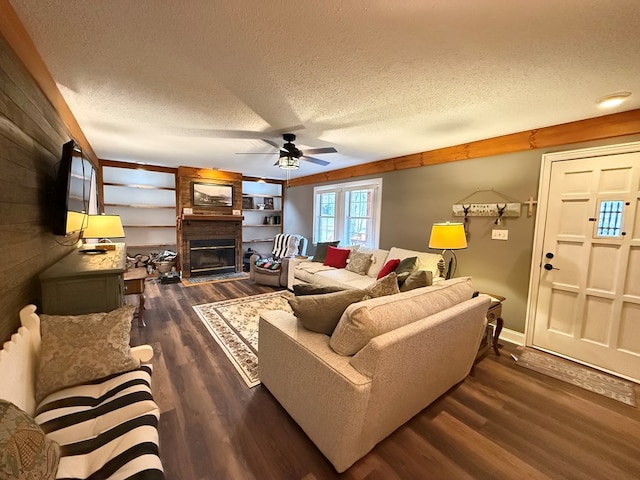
512, 336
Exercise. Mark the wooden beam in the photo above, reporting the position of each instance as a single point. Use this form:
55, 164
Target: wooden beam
137, 166
18, 38
598, 128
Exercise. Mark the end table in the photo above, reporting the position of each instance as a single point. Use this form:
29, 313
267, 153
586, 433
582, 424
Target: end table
494, 314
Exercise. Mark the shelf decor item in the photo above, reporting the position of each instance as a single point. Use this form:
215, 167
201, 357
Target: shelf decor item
247, 203
268, 203
212, 195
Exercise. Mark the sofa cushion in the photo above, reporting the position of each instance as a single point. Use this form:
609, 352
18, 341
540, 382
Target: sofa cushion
406, 267
106, 428
321, 251
342, 277
79, 349
321, 313
389, 267
378, 259
302, 289
363, 321
25, 452
387, 285
419, 278
359, 262
336, 257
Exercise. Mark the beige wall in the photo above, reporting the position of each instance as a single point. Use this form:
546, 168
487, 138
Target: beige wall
413, 199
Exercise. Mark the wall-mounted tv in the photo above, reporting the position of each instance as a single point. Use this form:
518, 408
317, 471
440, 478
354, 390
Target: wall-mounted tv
71, 191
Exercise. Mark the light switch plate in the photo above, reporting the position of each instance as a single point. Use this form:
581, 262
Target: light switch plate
499, 234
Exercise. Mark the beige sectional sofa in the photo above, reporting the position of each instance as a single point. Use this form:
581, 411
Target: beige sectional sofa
388, 358
306, 271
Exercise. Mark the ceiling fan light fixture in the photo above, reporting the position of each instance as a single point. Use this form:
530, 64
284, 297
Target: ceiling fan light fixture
287, 162
613, 100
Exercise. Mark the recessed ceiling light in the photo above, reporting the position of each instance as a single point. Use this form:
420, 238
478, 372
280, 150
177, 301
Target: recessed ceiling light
613, 100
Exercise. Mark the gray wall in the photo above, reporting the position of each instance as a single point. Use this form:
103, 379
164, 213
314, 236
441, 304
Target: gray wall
414, 199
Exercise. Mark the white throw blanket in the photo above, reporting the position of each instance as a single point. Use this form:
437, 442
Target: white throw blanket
313, 267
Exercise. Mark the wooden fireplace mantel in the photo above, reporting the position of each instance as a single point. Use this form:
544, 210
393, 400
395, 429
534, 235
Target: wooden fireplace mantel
212, 218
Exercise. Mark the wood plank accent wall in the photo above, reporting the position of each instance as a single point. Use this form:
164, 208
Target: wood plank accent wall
19, 40
188, 175
31, 138
598, 128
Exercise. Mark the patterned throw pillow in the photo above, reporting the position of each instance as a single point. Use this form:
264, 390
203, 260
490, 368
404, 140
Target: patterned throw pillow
82, 348
25, 452
359, 263
387, 285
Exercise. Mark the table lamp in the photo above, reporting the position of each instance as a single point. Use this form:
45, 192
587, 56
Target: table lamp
448, 236
102, 227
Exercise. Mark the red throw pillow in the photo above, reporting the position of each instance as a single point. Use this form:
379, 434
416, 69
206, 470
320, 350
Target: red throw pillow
388, 267
336, 257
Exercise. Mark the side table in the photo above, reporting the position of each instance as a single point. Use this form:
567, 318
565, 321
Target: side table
134, 281
494, 314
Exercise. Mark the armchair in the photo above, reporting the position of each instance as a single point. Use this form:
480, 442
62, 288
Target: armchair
269, 269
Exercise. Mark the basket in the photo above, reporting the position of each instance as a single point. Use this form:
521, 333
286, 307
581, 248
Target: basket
165, 267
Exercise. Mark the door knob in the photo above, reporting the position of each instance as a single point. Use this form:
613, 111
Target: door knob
548, 266
549, 255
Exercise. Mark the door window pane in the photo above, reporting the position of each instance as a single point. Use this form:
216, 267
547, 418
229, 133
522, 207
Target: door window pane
610, 219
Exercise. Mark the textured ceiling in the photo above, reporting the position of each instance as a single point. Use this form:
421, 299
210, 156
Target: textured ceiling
194, 83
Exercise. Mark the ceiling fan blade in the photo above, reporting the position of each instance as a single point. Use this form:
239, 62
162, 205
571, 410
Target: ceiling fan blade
314, 160
315, 151
255, 153
272, 143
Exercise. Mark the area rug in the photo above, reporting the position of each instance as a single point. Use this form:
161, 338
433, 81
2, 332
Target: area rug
220, 277
575, 374
233, 324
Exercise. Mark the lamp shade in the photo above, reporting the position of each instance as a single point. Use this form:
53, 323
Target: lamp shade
103, 226
76, 221
447, 236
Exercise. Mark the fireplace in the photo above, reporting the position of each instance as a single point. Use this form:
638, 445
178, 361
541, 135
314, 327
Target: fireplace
209, 244
212, 256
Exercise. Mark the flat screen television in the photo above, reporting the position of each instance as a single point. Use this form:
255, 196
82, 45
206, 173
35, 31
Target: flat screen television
71, 191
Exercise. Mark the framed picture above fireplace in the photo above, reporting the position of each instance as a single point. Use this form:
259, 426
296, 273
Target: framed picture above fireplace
211, 194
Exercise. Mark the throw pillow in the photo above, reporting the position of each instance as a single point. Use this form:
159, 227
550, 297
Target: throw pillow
321, 313
321, 251
359, 263
25, 451
389, 267
336, 257
301, 289
387, 285
419, 278
408, 265
82, 348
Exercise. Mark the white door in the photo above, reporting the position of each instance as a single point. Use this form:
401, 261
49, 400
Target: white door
587, 303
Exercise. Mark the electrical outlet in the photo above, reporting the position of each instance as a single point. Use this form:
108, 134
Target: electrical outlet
499, 234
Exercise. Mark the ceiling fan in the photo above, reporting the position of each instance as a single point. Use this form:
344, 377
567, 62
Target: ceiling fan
290, 154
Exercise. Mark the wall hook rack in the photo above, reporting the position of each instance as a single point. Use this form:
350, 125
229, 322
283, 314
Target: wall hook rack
503, 206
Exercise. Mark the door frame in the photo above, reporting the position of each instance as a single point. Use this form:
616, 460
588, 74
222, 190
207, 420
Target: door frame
548, 159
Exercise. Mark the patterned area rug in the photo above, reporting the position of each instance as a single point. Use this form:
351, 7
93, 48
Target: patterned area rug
575, 374
221, 277
233, 324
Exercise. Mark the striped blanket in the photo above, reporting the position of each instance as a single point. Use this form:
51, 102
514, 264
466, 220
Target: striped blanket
285, 245
106, 429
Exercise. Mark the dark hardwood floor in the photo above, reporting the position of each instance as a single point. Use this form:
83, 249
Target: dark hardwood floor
502, 422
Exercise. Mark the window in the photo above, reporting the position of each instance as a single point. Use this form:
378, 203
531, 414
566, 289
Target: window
349, 212
610, 219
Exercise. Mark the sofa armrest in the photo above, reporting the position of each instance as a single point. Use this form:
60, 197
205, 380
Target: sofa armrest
322, 392
144, 353
289, 264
